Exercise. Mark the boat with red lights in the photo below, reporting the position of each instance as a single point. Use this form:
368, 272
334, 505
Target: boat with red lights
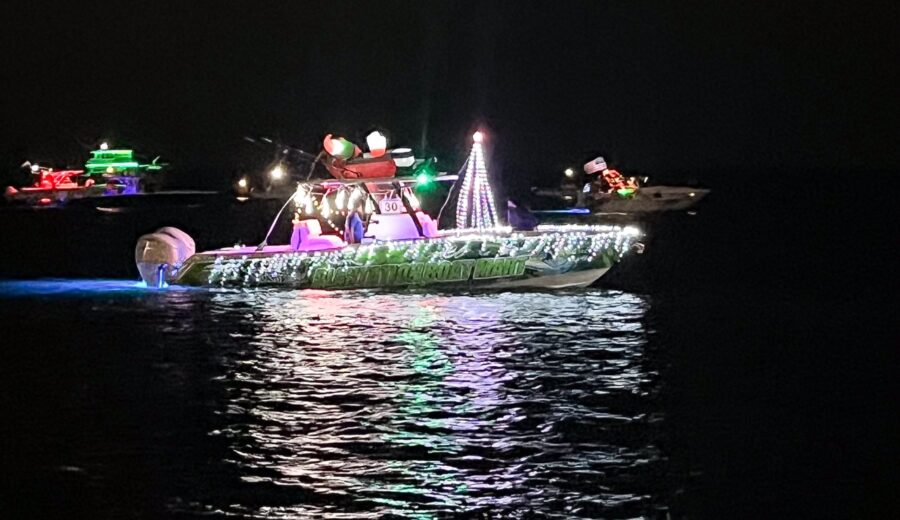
108, 172
364, 228
51, 186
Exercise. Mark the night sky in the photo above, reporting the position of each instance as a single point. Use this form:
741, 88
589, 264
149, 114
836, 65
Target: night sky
775, 305
655, 87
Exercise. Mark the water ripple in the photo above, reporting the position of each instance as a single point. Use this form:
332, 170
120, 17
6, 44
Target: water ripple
293, 404
421, 404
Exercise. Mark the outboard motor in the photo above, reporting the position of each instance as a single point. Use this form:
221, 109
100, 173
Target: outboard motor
158, 254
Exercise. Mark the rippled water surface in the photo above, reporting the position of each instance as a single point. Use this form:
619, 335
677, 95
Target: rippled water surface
733, 381
282, 404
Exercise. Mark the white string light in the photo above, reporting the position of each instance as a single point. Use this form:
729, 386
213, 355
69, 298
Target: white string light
354, 196
475, 207
586, 246
339, 199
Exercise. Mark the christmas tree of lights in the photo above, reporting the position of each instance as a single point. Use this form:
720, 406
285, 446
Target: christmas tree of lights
475, 207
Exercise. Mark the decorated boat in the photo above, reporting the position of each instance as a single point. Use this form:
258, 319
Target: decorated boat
606, 191
121, 172
50, 186
107, 172
365, 228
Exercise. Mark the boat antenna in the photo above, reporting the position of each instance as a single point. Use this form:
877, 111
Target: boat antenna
450, 191
265, 241
312, 165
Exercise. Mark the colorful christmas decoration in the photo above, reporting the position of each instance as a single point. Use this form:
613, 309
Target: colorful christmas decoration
399, 245
463, 258
475, 206
377, 143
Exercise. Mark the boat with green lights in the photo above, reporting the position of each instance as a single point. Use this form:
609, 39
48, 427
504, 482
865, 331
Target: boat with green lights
108, 172
365, 229
120, 170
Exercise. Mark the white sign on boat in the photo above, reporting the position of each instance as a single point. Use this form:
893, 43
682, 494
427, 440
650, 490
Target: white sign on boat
391, 205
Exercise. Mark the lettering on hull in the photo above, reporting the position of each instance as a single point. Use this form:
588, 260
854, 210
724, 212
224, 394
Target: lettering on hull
390, 275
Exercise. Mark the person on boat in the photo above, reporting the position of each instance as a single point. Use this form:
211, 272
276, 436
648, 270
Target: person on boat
353, 228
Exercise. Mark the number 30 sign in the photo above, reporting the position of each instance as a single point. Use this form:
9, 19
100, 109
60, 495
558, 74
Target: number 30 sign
391, 206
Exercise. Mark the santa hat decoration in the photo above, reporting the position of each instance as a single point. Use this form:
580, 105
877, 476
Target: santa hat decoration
597, 165
377, 143
339, 147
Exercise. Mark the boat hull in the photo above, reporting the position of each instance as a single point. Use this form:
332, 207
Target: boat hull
647, 200
570, 280
650, 199
549, 260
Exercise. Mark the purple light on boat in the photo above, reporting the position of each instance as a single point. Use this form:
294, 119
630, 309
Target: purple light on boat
125, 185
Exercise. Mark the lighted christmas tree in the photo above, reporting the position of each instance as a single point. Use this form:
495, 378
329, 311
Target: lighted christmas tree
475, 207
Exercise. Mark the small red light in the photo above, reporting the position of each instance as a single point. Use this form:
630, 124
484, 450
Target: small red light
44, 201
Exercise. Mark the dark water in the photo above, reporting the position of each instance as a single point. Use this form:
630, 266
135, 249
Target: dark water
286, 403
741, 368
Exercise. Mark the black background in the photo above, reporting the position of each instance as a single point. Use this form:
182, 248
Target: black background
777, 301
655, 87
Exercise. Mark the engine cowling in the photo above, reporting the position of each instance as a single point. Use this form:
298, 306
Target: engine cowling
158, 254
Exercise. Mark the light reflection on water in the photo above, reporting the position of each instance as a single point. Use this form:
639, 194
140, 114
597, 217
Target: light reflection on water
68, 287
82, 287
287, 404
421, 404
